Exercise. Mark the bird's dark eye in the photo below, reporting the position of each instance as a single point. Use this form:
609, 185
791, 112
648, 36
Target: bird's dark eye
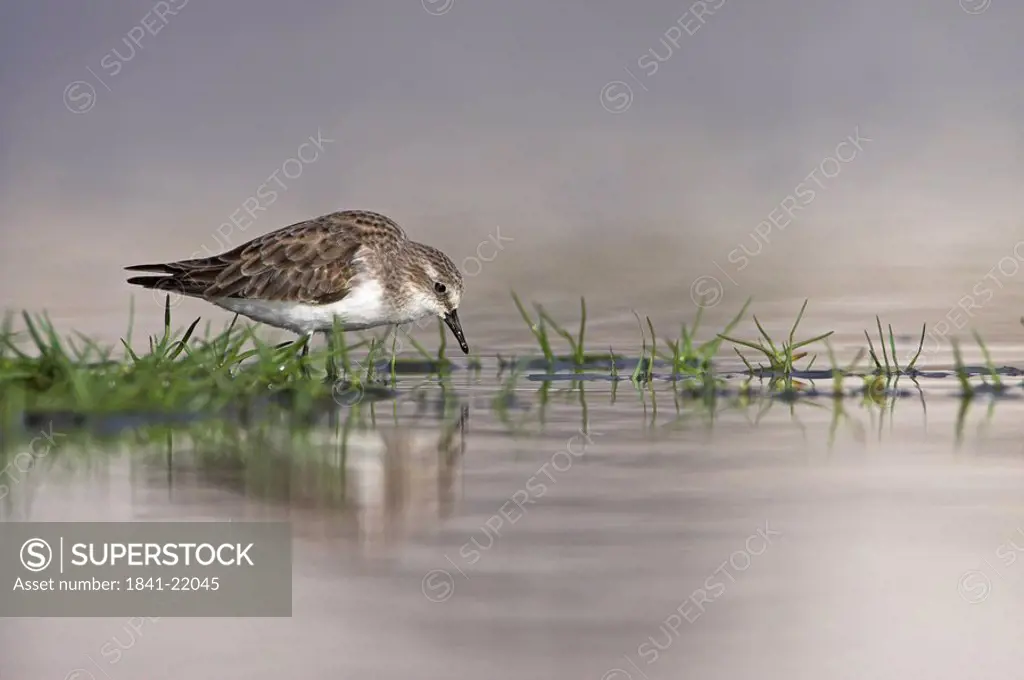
440, 288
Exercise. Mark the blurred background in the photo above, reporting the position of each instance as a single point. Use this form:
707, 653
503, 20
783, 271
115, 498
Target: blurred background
133, 131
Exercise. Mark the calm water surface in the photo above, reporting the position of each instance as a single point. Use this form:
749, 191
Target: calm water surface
610, 537
615, 540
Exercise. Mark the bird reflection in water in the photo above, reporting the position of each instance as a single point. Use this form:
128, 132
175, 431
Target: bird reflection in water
374, 486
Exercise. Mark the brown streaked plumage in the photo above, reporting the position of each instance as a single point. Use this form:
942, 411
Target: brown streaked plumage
355, 267
309, 261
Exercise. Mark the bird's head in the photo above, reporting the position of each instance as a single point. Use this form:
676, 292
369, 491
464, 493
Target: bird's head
435, 287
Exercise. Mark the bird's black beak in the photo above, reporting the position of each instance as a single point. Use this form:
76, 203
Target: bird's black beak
452, 319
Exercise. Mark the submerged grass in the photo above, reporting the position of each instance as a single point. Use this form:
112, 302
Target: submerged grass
961, 370
964, 373
684, 354
895, 369
179, 370
992, 372
196, 370
781, 360
839, 373
281, 452
578, 355
644, 369
537, 328
688, 357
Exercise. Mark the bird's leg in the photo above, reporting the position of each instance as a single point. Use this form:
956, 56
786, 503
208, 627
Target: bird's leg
305, 352
396, 344
332, 367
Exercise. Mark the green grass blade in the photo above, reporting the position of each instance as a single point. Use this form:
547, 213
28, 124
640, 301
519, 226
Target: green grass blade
792, 331
34, 334
767, 337
441, 358
892, 345
696, 321
227, 339
640, 362
134, 357
881, 341
804, 343
131, 319
747, 343
394, 358
871, 351
654, 344
167, 317
545, 342
961, 370
546, 318
988, 360
744, 360
583, 329
856, 360
920, 346
184, 340
536, 328
831, 356
710, 348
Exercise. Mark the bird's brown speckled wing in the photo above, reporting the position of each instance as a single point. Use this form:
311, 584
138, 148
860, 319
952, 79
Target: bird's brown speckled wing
311, 262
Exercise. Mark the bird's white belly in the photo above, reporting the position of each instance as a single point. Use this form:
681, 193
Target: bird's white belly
362, 308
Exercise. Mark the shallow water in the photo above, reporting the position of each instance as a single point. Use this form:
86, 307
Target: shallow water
892, 529
607, 534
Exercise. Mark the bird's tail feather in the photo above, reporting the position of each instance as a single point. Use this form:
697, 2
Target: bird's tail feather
171, 284
165, 268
